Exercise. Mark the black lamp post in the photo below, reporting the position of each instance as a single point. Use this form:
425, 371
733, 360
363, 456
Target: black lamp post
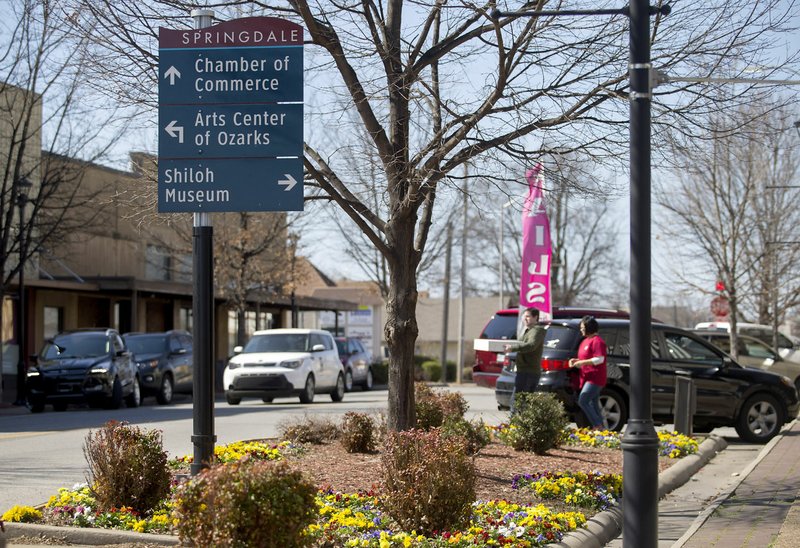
23, 185
640, 443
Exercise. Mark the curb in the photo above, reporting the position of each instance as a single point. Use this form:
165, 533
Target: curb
598, 531
86, 536
607, 525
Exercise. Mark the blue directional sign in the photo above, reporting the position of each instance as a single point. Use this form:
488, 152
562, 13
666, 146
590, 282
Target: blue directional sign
231, 75
249, 184
230, 131
231, 117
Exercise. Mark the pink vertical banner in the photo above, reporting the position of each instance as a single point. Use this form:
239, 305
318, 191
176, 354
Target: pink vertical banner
536, 248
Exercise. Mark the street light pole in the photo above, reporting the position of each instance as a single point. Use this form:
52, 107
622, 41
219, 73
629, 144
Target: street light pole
23, 185
640, 443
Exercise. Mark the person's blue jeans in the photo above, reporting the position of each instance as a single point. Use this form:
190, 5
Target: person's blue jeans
525, 381
589, 402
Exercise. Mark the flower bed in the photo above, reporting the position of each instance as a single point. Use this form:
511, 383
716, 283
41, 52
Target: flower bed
559, 502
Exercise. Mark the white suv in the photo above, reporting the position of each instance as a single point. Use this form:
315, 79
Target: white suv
285, 362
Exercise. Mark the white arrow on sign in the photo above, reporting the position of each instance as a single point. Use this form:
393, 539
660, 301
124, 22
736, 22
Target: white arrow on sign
175, 131
288, 182
172, 73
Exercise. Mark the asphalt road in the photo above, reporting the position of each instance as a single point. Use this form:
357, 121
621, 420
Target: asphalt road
41, 452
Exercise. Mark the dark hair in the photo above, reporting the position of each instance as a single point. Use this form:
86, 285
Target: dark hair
590, 324
534, 312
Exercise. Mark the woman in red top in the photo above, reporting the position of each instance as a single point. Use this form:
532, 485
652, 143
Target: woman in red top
591, 361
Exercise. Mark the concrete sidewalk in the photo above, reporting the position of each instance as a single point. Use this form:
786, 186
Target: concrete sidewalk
762, 509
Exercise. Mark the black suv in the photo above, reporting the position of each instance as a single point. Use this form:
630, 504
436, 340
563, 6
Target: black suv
756, 403
164, 361
85, 365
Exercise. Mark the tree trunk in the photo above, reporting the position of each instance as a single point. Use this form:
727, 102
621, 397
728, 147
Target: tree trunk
401, 326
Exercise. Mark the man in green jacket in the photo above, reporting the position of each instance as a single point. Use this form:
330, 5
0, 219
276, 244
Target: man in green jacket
529, 355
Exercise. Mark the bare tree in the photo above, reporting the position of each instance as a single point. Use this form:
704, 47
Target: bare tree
438, 83
721, 215
47, 140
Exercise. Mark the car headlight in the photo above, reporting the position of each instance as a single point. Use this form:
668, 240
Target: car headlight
234, 365
149, 364
33, 373
292, 364
788, 382
101, 368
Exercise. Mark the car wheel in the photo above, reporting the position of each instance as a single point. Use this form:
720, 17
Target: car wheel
760, 419
37, 406
348, 381
307, 395
60, 406
368, 381
134, 399
614, 410
266, 400
166, 390
115, 399
232, 400
338, 392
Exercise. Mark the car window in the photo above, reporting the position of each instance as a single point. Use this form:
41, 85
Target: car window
561, 337
278, 342
174, 344
341, 346
76, 345
757, 349
186, 342
358, 346
327, 342
317, 338
146, 344
681, 347
117, 343
501, 327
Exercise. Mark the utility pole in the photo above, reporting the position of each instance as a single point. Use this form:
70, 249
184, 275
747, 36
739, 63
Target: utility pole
446, 300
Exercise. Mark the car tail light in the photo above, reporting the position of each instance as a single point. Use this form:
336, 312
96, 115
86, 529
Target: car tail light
554, 365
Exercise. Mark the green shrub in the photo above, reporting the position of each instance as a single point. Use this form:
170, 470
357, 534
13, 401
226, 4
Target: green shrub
475, 434
431, 371
246, 503
314, 430
428, 480
434, 406
538, 422
128, 467
358, 433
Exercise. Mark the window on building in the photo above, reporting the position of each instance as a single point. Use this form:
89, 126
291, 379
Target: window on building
53, 321
185, 319
157, 263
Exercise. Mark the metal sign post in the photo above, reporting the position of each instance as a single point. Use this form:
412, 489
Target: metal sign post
230, 120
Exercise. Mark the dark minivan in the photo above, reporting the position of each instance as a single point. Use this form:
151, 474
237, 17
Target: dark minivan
755, 402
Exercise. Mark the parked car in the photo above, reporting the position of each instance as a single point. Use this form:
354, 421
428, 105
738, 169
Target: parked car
753, 352
357, 363
164, 361
788, 348
285, 362
757, 403
85, 365
503, 326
